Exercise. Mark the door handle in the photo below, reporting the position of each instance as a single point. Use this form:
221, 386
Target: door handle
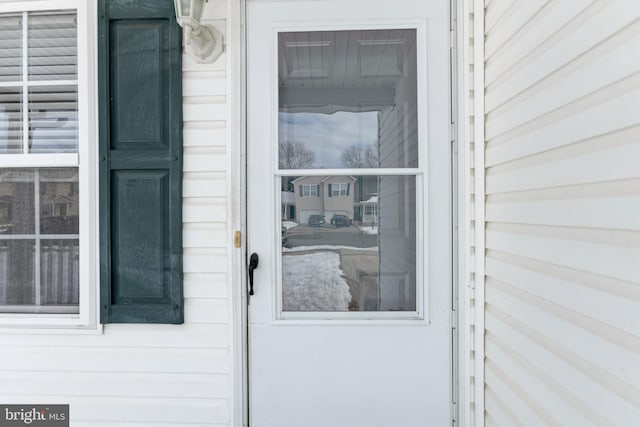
253, 264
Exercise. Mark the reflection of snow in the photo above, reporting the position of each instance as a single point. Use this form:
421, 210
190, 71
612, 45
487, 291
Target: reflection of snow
327, 247
289, 224
369, 229
314, 282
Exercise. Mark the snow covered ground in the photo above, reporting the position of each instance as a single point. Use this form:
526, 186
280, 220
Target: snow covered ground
314, 282
369, 229
326, 247
289, 224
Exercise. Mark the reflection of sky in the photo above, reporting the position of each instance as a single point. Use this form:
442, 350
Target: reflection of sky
327, 135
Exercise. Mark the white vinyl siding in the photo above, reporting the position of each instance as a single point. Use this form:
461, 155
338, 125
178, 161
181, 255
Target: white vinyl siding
155, 375
562, 341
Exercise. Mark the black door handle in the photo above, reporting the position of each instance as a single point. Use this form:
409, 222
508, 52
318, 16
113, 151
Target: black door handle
253, 264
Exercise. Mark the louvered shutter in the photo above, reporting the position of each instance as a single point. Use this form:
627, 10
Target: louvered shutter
140, 162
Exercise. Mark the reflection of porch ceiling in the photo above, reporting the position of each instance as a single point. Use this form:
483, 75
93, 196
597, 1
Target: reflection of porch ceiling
328, 71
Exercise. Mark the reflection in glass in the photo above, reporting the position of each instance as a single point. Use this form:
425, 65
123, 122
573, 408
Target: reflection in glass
52, 41
350, 244
59, 272
10, 120
59, 201
348, 99
17, 201
17, 284
53, 119
11, 48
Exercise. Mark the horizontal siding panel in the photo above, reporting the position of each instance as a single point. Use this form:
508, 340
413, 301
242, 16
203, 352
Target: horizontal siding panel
122, 411
204, 83
204, 159
496, 12
203, 209
584, 37
621, 113
199, 109
517, 399
618, 367
583, 84
519, 15
199, 310
610, 307
150, 337
204, 134
204, 260
576, 164
103, 360
603, 212
205, 285
204, 184
561, 364
115, 384
604, 252
205, 235
566, 408
544, 27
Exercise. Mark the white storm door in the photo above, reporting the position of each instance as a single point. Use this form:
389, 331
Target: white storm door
349, 212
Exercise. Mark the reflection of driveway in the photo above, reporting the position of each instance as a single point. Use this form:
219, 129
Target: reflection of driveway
304, 235
360, 268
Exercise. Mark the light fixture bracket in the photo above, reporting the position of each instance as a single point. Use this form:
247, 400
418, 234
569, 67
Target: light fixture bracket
203, 43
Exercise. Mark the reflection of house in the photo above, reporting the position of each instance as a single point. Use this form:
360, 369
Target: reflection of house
323, 195
288, 204
369, 210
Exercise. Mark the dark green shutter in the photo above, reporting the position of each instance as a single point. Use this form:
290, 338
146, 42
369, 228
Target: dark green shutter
348, 186
301, 193
140, 98
317, 191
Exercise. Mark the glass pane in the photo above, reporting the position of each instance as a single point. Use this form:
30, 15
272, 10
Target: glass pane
10, 120
348, 243
11, 48
59, 272
52, 47
17, 201
59, 201
348, 99
53, 119
17, 284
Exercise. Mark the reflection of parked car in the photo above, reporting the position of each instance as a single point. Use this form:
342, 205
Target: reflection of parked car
341, 220
285, 235
316, 220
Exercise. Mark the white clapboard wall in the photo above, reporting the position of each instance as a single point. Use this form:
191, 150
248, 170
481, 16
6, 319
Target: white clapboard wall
154, 375
562, 129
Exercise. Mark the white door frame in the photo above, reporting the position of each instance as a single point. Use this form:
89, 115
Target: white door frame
463, 237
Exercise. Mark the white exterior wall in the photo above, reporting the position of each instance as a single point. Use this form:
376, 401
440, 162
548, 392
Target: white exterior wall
156, 375
562, 338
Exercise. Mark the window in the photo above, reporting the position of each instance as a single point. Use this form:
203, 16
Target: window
339, 190
309, 190
44, 208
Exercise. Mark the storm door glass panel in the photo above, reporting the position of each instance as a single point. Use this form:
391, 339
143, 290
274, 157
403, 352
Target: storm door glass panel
348, 109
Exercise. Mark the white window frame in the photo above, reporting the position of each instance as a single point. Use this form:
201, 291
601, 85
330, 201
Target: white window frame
420, 316
309, 190
86, 162
343, 188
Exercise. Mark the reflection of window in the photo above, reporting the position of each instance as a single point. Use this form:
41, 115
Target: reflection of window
371, 210
339, 189
40, 241
309, 190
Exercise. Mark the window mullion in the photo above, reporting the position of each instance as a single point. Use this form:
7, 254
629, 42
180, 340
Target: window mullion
36, 191
25, 86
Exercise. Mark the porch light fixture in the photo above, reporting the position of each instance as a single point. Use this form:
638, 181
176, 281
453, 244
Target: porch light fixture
202, 42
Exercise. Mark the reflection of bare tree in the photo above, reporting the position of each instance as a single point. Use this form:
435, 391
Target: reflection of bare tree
295, 155
360, 156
